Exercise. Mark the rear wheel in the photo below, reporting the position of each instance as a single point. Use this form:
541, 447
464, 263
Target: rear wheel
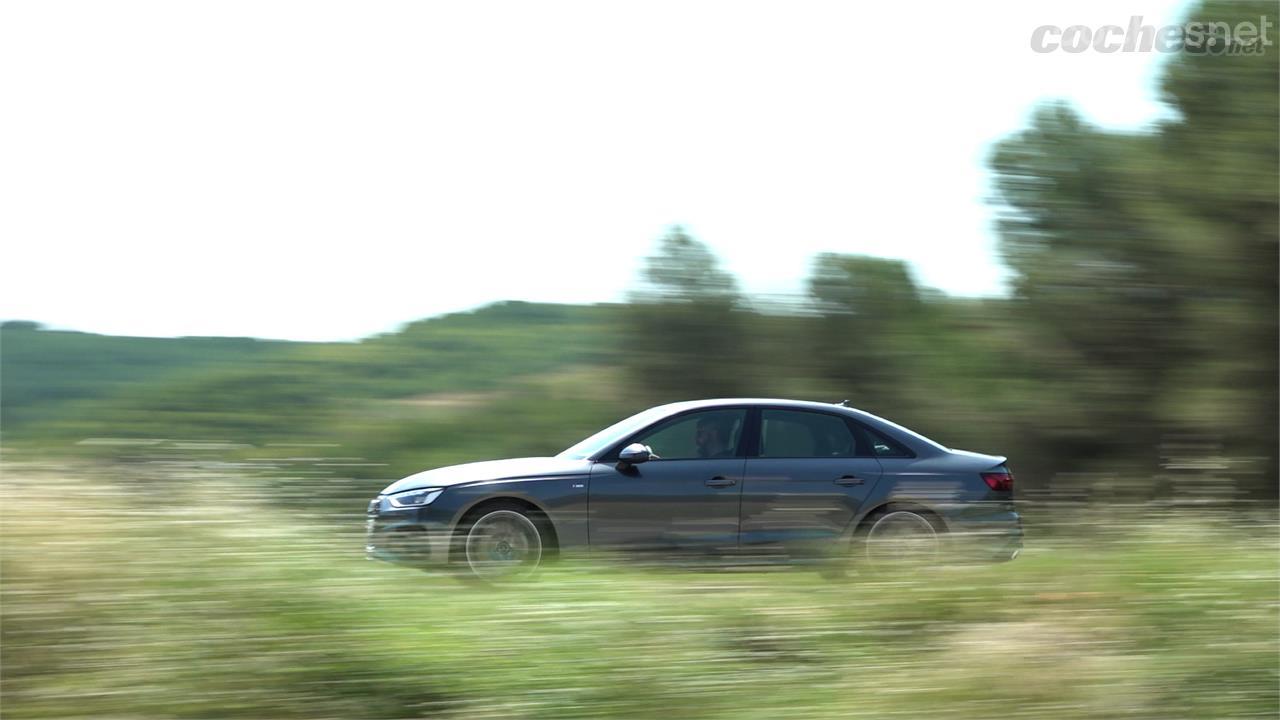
901, 537
502, 543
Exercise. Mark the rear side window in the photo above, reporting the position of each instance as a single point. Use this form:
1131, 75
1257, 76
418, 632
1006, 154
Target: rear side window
873, 443
800, 434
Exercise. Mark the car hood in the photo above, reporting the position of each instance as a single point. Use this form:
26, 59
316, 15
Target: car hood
491, 470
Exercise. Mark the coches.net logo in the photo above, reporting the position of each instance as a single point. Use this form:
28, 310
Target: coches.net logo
1210, 38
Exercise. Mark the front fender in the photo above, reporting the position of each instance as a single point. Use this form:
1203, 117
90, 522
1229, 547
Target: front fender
562, 499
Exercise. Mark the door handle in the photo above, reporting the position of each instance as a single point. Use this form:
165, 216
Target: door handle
721, 481
848, 480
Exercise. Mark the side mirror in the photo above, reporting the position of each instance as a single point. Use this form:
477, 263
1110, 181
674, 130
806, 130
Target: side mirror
634, 454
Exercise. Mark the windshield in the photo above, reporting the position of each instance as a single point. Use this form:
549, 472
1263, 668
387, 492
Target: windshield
606, 438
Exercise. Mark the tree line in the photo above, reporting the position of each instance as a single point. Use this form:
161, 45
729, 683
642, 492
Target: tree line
1140, 333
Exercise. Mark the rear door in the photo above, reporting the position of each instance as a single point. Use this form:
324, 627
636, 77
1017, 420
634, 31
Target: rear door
685, 498
807, 480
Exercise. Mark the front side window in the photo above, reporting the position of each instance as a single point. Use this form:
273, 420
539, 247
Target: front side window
799, 434
605, 438
698, 435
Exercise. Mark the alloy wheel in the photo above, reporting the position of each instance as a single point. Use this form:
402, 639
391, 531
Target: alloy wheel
902, 537
503, 544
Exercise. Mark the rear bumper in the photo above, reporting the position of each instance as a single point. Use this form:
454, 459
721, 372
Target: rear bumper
986, 533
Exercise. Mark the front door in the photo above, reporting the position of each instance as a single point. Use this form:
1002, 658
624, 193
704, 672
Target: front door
686, 497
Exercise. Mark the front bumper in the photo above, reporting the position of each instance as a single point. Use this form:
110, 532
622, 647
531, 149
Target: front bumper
406, 536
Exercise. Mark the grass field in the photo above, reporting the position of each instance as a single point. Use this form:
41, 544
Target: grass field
192, 598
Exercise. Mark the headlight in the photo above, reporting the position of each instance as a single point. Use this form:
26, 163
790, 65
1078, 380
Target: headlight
415, 498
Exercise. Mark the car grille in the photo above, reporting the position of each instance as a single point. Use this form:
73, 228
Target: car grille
373, 507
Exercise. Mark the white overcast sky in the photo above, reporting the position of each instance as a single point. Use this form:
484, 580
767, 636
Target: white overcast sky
327, 170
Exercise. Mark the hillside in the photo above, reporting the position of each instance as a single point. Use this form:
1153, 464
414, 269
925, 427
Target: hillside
42, 369
70, 385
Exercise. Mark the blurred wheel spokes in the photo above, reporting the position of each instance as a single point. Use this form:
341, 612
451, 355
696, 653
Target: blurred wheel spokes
503, 544
902, 537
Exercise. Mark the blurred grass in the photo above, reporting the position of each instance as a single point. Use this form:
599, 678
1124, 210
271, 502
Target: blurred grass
196, 599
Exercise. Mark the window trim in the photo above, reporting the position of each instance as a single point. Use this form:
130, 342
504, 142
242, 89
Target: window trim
749, 440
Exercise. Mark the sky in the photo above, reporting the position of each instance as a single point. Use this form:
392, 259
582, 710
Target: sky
328, 170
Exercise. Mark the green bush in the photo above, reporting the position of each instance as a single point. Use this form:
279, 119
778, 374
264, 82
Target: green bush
197, 599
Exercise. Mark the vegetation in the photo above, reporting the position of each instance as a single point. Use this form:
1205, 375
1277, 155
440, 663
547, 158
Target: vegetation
77, 386
201, 599
44, 370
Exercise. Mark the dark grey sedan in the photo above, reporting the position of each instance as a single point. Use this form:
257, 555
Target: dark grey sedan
761, 478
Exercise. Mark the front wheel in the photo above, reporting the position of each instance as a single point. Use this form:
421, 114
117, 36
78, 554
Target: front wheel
502, 544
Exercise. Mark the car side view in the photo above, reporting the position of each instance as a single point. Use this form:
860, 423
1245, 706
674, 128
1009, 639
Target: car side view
712, 477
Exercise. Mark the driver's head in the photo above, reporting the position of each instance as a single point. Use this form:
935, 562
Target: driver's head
713, 435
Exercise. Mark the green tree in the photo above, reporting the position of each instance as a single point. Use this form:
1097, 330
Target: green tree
685, 334
865, 341
1148, 261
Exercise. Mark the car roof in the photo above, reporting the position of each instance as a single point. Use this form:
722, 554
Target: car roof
914, 438
718, 402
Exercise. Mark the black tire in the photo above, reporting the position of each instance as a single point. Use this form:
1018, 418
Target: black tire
501, 542
898, 536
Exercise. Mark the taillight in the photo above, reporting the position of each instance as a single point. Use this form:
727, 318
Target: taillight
999, 480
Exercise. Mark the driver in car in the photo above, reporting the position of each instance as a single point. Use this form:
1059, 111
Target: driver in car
713, 435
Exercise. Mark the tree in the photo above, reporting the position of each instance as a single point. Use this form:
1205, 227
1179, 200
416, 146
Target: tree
1149, 260
870, 311
684, 334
